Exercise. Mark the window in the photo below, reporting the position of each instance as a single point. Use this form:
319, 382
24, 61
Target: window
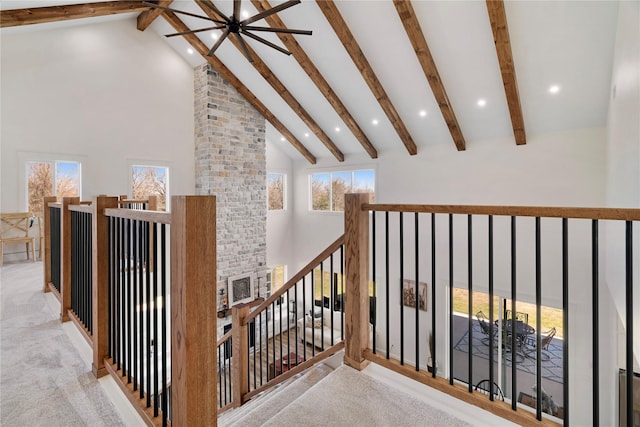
46, 178
278, 274
150, 181
328, 189
276, 187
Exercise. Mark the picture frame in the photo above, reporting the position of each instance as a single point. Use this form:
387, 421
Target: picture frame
409, 297
240, 289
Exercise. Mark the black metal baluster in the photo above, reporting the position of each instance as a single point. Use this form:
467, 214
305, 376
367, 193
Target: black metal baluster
118, 317
595, 246
491, 343
372, 316
150, 309
565, 318
343, 292
219, 378
288, 324
295, 316
538, 322
304, 316
313, 314
156, 311
629, 320
163, 287
401, 224
321, 304
273, 335
110, 297
417, 291
514, 386
432, 337
331, 292
134, 308
386, 281
261, 348
130, 303
451, 299
470, 297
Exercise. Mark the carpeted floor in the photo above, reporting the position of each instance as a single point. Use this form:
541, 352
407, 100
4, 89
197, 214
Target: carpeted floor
43, 379
551, 369
349, 398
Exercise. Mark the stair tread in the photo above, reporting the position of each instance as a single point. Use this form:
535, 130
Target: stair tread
272, 403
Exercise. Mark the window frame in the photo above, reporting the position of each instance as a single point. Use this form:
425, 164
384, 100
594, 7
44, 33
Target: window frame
25, 157
331, 172
131, 163
284, 192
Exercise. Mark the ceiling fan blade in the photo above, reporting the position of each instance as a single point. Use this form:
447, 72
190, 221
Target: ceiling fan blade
267, 42
271, 11
216, 10
179, 11
245, 49
236, 9
277, 30
219, 42
183, 33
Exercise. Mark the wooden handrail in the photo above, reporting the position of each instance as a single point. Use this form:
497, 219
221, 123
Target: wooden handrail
57, 205
81, 208
159, 217
623, 214
224, 338
295, 279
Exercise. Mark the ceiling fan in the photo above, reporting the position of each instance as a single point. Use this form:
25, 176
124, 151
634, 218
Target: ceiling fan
233, 25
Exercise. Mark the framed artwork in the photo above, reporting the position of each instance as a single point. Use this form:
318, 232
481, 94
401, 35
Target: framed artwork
409, 296
240, 289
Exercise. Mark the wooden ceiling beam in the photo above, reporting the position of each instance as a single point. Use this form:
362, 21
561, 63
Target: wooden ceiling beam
498, 18
341, 29
41, 15
421, 48
316, 77
201, 48
147, 17
280, 88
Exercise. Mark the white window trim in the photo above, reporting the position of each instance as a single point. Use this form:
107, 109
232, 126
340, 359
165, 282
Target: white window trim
285, 190
330, 171
150, 163
33, 156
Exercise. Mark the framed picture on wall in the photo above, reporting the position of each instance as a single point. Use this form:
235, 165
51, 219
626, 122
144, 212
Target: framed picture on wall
241, 289
409, 296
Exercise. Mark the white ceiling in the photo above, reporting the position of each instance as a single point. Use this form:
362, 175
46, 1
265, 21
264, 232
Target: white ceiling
566, 43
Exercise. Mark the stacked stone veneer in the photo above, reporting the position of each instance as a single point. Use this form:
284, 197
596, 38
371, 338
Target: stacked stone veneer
231, 164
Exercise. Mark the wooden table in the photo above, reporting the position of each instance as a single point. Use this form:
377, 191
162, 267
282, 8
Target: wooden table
288, 361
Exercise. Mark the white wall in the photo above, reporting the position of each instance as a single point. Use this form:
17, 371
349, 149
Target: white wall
623, 185
106, 94
280, 224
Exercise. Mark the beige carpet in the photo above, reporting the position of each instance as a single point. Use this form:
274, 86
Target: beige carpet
43, 379
350, 398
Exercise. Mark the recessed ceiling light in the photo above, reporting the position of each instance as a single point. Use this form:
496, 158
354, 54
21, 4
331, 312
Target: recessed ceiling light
190, 51
245, 14
337, 129
215, 36
307, 135
423, 113
482, 102
282, 139
554, 89
374, 122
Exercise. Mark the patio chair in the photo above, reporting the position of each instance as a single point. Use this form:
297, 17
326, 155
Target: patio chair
545, 340
485, 327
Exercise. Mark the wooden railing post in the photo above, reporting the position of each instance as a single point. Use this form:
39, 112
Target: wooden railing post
240, 353
65, 257
152, 203
100, 281
46, 255
193, 311
356, 310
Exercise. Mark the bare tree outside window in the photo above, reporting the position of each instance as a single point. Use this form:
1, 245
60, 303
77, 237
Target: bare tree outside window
150, 181
40, 182
276, 191
330, 197
320, 192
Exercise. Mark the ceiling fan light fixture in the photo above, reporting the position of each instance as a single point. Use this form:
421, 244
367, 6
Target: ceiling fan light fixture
237, 24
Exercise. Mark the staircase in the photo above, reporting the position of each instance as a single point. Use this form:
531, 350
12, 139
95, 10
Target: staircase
260, 409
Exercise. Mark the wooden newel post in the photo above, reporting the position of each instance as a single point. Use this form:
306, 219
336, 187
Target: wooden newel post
193, 311
100, 281
240, 352
65, 257
356, 310
46, 254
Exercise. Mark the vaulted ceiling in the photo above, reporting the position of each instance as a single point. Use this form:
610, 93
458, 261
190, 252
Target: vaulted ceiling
386, 75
